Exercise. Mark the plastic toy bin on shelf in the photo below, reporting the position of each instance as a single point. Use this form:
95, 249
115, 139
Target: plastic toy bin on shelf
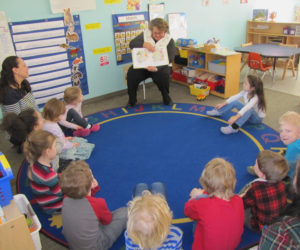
217, 66
25, 208
5, 176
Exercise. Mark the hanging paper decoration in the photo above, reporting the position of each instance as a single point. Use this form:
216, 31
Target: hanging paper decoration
53, 51
205, 2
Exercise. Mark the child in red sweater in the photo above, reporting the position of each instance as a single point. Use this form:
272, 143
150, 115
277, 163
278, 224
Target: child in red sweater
219, 213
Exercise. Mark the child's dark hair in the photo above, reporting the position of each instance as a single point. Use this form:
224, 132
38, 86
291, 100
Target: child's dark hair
7, 77
36, 143
53, 109
273, 165
258, 86
76, 180
19, 126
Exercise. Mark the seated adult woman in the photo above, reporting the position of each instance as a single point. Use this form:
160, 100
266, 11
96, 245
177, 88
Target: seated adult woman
151, 39
15, 90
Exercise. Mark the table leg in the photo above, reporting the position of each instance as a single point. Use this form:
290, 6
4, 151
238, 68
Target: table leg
274, 66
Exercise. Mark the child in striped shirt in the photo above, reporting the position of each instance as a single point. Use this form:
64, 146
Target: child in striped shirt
40, 150
149, 223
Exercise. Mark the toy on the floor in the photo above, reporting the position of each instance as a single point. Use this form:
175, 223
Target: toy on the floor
201, 97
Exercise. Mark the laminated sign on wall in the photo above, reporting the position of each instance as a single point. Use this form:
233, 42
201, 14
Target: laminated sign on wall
53, 51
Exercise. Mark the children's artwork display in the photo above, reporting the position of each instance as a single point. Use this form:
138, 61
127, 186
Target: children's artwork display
260, 15
53, 51
126, 27
143, 58
177, 25
6, 46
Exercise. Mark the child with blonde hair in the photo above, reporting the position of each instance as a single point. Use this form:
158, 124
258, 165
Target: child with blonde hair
290, 136
72, 121
87, 221
149, 223
73, 148
216, 208
40, 150
265, 197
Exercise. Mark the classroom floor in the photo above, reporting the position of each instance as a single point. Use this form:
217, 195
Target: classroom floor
281, 96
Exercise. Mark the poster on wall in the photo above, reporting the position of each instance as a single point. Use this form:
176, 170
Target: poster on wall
125, 28
6, 45
156, 11
177, 25
58, 6
53, 51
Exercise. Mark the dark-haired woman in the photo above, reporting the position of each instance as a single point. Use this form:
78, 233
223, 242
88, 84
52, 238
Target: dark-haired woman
15, 90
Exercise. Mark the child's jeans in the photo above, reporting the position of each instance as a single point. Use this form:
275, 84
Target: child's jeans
156, 187
250, 116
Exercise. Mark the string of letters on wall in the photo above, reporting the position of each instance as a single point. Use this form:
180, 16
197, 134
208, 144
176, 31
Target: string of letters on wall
53, 51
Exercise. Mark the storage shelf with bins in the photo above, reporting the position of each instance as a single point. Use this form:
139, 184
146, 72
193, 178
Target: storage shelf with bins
265, 32
231, 68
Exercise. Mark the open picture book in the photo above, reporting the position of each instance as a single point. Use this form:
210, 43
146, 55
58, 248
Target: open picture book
142, 58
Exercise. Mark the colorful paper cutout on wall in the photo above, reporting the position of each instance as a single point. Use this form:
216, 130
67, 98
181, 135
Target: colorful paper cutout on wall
133, 4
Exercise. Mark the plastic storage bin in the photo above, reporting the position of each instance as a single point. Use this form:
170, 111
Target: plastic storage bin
196, 91
217, 67
5, 189
25, 208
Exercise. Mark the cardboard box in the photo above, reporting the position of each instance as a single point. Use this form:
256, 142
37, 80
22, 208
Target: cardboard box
25, 208
15, 234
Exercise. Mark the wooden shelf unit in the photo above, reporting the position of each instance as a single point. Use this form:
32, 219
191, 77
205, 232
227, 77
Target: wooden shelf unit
232, 71
271, 32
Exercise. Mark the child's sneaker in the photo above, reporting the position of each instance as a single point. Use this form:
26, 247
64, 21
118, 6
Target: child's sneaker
228, 130
94, 127
213, 112
81, 132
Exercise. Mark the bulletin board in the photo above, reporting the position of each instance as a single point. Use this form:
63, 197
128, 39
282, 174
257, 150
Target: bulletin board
53, 51
125, 28
177, 25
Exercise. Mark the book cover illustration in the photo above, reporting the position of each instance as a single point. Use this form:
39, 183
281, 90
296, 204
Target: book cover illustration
142, 58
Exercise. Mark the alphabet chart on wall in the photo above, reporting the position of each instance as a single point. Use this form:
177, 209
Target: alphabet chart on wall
53, 51
126, 27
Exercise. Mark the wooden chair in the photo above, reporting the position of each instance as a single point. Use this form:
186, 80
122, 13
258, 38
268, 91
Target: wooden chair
255, 63
290, 61
245, 55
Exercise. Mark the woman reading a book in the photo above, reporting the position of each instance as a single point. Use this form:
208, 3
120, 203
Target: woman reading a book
152, 39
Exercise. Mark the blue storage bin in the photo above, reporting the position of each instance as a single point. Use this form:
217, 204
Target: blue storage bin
5, 189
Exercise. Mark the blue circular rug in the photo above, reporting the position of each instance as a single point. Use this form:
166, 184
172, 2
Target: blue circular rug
171, 144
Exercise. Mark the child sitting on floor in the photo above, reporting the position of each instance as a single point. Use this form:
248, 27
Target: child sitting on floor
290, 136
87, 221
149, 220
216, 208
19, 126
265, 197
253, 109
72, 121
40, 150
73, 148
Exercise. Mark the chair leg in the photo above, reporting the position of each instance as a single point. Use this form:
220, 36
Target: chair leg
144, 90
293, 67
263, 75
284, 69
